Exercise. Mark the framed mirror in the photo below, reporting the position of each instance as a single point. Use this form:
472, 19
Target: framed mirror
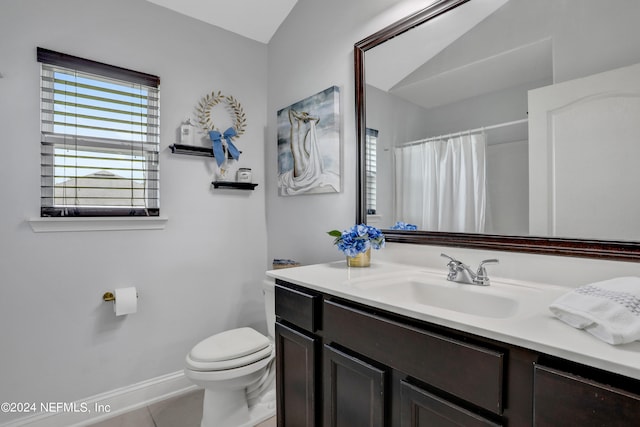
503, 124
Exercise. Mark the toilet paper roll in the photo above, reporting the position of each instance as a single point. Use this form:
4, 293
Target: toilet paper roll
126, 301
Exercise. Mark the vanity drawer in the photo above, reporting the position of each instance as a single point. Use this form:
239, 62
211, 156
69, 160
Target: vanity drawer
299, 307
468, 371
562, 398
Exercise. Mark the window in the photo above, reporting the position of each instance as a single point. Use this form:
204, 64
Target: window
100, 138
372, 139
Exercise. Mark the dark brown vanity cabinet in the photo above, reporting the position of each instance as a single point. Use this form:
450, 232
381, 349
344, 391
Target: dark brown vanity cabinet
297, 357
343, 364
296, 383
354, 390
568, 399
419, 408
321, 384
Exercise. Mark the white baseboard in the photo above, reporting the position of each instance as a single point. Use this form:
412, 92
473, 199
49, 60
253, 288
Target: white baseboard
110, 404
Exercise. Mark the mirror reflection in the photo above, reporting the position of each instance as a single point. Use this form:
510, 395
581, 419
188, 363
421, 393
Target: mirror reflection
509, 117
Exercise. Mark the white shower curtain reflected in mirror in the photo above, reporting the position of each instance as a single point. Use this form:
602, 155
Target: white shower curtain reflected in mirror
440, 185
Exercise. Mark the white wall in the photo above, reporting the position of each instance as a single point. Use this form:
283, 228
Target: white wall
507, 188
200, 275
311, 51
398, 121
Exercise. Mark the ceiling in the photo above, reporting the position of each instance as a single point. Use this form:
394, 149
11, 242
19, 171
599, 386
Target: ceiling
260, 19
254, 19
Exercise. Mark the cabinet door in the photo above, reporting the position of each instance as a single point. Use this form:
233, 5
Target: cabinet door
564, 399
353, 391
419, 408
296, 385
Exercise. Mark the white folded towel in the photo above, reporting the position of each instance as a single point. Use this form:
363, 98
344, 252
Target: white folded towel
609, 310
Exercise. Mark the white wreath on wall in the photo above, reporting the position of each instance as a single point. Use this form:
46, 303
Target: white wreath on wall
209, 101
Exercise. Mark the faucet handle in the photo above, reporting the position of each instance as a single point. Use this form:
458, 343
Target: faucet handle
481, 275
453, 266
454, 262
447, 256
489, 261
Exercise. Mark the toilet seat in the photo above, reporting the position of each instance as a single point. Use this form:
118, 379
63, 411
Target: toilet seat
228, 350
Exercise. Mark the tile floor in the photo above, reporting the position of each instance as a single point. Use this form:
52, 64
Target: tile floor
181, 411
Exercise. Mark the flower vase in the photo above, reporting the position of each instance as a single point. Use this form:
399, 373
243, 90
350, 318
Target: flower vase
363, 259
227, 170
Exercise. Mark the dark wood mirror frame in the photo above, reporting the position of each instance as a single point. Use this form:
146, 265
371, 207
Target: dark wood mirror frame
612, 250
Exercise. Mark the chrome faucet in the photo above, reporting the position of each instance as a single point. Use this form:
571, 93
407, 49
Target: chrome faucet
461, 273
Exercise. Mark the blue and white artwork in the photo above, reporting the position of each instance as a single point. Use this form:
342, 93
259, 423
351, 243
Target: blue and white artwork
309, 145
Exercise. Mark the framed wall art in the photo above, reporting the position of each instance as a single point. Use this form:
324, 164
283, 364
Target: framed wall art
309, 147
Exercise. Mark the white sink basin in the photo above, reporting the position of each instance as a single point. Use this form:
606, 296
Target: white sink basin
496, 300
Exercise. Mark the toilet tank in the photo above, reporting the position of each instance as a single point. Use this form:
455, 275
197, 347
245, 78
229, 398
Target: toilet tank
268, 289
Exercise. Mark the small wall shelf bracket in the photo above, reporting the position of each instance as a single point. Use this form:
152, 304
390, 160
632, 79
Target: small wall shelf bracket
194, 150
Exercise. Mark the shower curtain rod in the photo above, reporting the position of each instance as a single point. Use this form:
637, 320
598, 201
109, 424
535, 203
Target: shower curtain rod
481, 129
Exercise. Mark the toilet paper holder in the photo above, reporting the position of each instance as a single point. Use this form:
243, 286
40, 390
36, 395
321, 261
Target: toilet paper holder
109, 296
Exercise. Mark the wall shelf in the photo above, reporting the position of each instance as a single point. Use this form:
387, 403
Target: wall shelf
234, 185
194, 150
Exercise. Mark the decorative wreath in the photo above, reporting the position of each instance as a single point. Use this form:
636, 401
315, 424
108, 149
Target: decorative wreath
233, 106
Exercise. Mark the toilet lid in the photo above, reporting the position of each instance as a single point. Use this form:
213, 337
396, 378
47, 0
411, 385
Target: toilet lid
227, 345
231, 364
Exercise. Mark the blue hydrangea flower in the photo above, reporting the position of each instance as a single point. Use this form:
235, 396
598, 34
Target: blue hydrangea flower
403, 226
358, 239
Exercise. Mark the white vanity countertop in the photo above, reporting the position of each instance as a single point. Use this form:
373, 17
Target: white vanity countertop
533, 327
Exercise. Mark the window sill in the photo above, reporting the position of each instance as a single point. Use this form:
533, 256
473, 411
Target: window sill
375, 220
45, 225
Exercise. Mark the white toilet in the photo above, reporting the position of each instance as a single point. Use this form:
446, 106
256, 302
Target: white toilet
237, 370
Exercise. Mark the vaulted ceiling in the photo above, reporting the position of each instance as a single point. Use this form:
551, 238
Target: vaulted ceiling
400, 65
254, 19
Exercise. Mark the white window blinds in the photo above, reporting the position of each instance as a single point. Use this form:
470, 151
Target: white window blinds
371, 154
100, 138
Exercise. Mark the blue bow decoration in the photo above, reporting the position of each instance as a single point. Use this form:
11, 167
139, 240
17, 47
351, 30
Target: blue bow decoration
218, 150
